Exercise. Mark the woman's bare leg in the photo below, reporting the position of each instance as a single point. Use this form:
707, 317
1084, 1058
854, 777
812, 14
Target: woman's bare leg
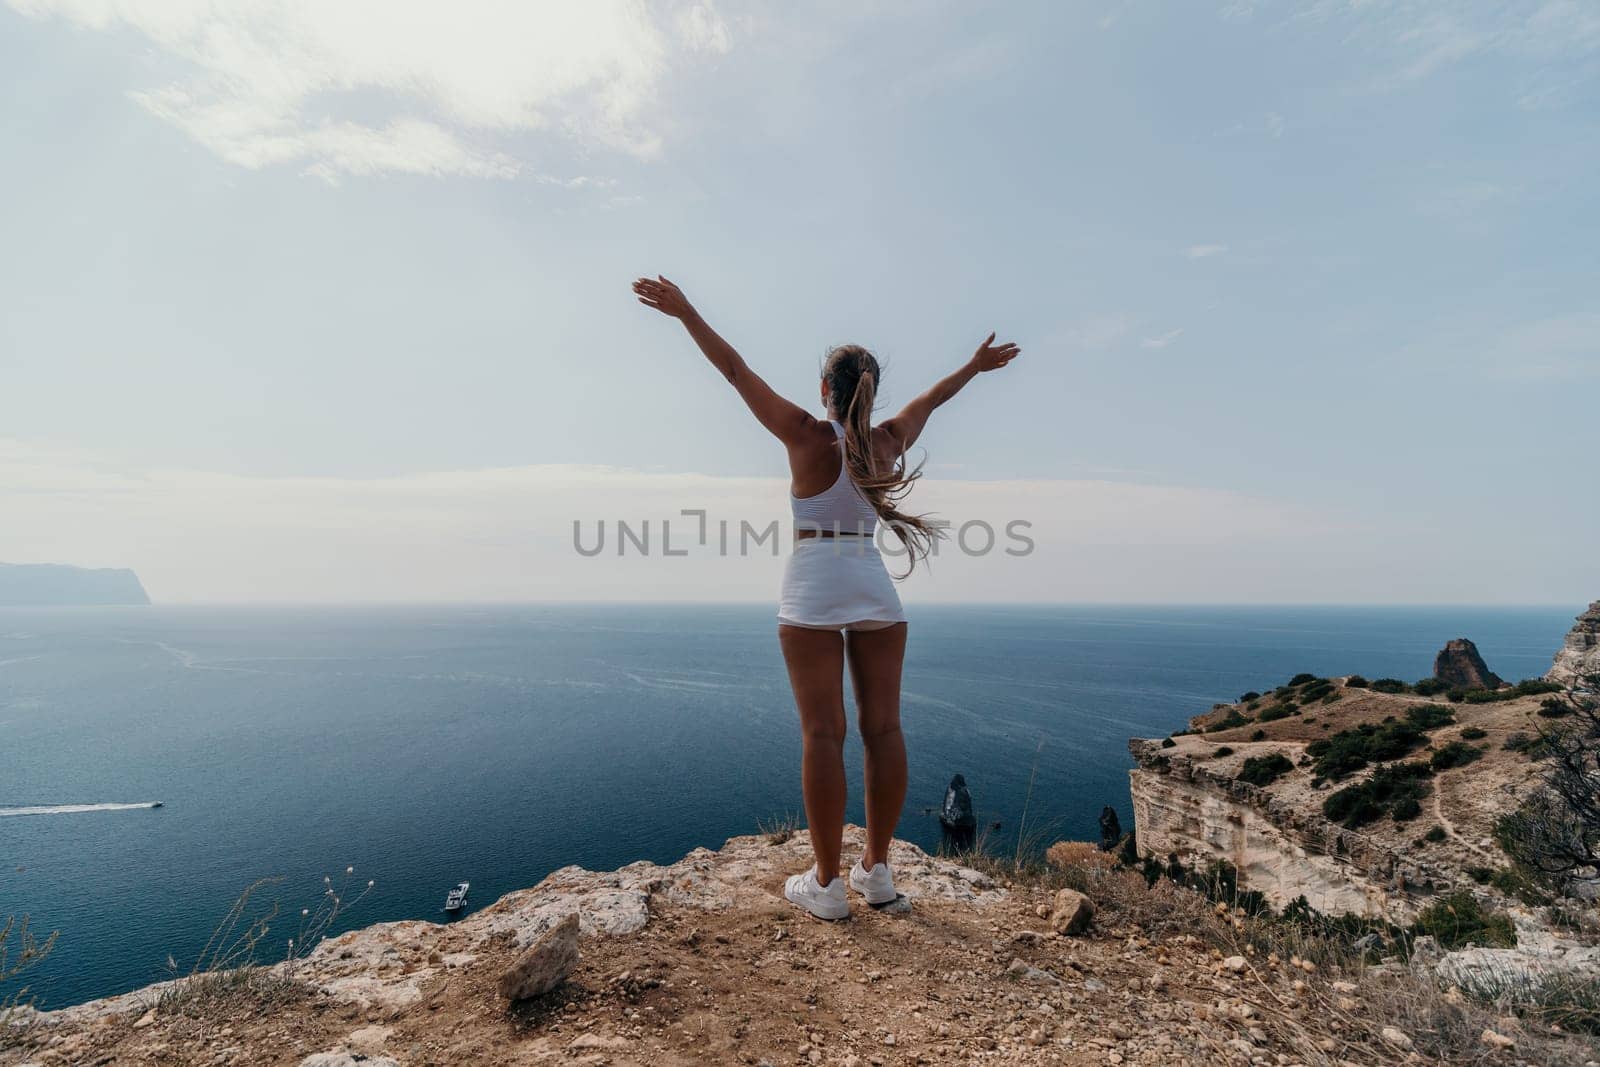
816, 674
876, 658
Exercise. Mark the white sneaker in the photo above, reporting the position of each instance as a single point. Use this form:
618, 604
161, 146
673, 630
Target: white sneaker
823, 901
876, 885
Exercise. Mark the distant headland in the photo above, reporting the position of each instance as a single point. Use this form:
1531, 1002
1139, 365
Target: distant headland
49, 584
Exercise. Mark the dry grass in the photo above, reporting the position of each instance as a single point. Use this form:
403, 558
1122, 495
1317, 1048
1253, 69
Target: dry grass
1313, 984
780, 829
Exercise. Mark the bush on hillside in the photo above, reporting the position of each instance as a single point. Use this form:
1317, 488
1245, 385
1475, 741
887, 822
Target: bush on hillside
1264, 770
1458, 920
1384, 793
1454, 754
1390, 685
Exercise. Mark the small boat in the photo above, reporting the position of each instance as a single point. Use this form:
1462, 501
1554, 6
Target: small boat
158, 804
456, 899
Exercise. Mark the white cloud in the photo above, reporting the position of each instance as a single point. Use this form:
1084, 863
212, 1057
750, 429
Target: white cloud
1462, 201
1205, 251
1562, 347
1161, 340
1092, 333
1414, 39
294, 82
506, 534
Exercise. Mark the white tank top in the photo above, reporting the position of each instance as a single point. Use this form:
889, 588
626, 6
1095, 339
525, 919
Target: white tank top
841, 507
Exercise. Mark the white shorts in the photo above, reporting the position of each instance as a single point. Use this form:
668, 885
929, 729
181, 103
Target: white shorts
838, 583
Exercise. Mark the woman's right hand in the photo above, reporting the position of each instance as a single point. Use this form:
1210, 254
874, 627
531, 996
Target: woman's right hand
661, 294
991, 356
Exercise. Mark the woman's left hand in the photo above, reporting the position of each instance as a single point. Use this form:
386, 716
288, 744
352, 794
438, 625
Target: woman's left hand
661, 294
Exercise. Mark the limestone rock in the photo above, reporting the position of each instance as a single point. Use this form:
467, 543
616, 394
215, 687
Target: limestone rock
346, 1059
1398, 1038
1459, 666
545, 965
1495, 1039
1072, 913
1579, 658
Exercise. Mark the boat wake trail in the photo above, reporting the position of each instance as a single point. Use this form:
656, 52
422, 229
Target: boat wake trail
73, 809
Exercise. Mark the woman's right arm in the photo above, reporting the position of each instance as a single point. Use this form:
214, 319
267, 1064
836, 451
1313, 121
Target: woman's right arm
907, 426
784, 419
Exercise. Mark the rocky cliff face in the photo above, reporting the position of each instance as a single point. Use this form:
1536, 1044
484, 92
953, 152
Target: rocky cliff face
1184, 807
32, 585
1579, 657
1193, 797
1459, 666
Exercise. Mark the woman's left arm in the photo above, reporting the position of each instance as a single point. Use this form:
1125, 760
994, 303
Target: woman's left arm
784, 419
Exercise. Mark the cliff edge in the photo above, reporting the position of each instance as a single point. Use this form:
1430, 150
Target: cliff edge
702, 962
1577, 664
51, 585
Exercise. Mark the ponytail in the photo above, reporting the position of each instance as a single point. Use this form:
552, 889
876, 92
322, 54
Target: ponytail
852, 376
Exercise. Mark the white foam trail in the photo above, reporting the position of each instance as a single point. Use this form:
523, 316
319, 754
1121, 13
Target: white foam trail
73, 809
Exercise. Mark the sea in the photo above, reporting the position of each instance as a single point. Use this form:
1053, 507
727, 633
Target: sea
425, 746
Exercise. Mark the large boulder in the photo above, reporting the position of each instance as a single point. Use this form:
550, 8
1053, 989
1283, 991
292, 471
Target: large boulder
1579, 658
1459, 666
1073, 912
546, 964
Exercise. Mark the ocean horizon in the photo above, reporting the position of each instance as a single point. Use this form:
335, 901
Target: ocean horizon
428, 744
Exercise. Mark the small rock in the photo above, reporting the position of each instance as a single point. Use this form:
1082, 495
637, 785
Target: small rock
1072, 913
145, 1020
546, 964
1234, 964
1397, 1038
369, 1040
1495, 1039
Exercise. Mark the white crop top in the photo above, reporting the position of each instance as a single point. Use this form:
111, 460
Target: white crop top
841, 507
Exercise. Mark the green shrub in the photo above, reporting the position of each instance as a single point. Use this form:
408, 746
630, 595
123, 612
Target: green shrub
1428, 687
1350, 750
1259, 735
1355, 681
1264, 770
1458, 919
1387, 791
1276, 712
1456, 696
1333, 697
1434, 834
1227, 722
1315, 692
1302, 679
1246, 698
1223, 751
1390, 685
1481, 696
1167, 742
1554, 708
1454, 754
1429, 716
1405, 809
1472, 733
1528, 744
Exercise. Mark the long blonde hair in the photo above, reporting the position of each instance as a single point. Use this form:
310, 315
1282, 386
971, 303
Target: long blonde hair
851, 374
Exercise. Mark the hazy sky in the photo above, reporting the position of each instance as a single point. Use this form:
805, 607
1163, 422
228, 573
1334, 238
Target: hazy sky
328, 300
